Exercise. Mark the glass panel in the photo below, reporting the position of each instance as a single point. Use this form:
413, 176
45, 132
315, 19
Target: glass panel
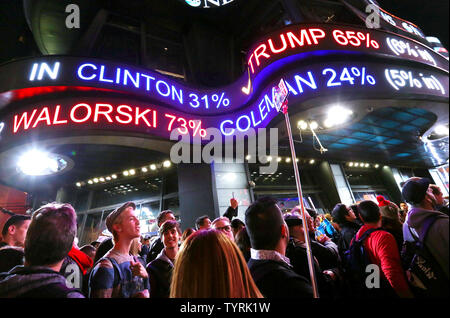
92, 229
147, 217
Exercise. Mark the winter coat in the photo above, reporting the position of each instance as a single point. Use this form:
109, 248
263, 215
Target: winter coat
275, 279
437, 239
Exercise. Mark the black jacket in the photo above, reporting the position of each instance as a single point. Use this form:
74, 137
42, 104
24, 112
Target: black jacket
230, 213
156, 248
278, 280
160, 274
348, 232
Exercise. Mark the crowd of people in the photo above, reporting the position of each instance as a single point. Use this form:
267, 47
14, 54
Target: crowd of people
372, 249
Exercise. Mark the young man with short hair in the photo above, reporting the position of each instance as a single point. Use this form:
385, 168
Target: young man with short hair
203, 223
15, 230
48, 240
382, 250
157, 245
118, 274
269, 237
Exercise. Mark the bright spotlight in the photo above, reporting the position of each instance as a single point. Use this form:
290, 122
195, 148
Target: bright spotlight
351, 164
288, 160
302, 125
114, 176
90, 182
312, 161
167, 164
132, 172
279, 159
144, 169
269, 158
37, 163
78, 184
313, 125
248, 157
126, 173
102, 179
441, 130
153, 167
337, 115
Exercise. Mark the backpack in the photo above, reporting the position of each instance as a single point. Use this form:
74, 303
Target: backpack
424, 274
355, 263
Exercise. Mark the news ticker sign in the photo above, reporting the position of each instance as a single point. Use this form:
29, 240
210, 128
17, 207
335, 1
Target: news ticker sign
343, 80
285, 47
320, 39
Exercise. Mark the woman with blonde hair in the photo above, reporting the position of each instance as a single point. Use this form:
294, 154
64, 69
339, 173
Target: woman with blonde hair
210, 265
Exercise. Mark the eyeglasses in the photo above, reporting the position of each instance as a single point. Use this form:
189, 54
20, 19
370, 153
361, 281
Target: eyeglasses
226, 228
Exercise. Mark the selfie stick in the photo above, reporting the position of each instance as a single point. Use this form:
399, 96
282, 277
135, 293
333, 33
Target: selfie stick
284, 109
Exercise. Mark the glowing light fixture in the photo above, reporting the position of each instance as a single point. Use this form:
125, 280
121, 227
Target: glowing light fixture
153, 167
39, 163
313, 125
337, 115
442, 130
303, 125
126, 173
167, 164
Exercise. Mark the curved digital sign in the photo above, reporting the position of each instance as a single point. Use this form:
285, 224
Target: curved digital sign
155, 104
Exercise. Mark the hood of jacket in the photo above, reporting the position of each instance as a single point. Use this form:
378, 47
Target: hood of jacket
21, 280
416, 216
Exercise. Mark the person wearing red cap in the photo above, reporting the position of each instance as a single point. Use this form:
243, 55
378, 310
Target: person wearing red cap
390, 219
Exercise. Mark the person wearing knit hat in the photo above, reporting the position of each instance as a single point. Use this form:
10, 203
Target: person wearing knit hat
390, 219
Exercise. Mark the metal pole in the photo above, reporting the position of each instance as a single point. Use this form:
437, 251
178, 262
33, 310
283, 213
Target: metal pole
299, 193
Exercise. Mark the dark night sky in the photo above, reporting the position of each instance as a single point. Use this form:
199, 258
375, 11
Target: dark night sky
430, 15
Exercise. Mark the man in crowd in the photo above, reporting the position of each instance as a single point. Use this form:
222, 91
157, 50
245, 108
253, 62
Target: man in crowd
203, 223
157, 245
346, 219
145, 249
223, 225
118, 274
403, 211
326, 251
270, 268
418, 193
236, 226
441, 206
15, 230
382, 250
49, 239
297, 254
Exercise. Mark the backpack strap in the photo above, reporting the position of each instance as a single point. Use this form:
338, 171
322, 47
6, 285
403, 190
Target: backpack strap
367, 233
429, 221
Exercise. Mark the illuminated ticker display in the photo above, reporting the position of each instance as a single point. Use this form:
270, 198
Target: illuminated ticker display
298, 39
156, 104
343, 80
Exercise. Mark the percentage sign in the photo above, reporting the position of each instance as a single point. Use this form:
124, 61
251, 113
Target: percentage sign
221, 101
197, 128
364, 77
369, 42
413, 82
